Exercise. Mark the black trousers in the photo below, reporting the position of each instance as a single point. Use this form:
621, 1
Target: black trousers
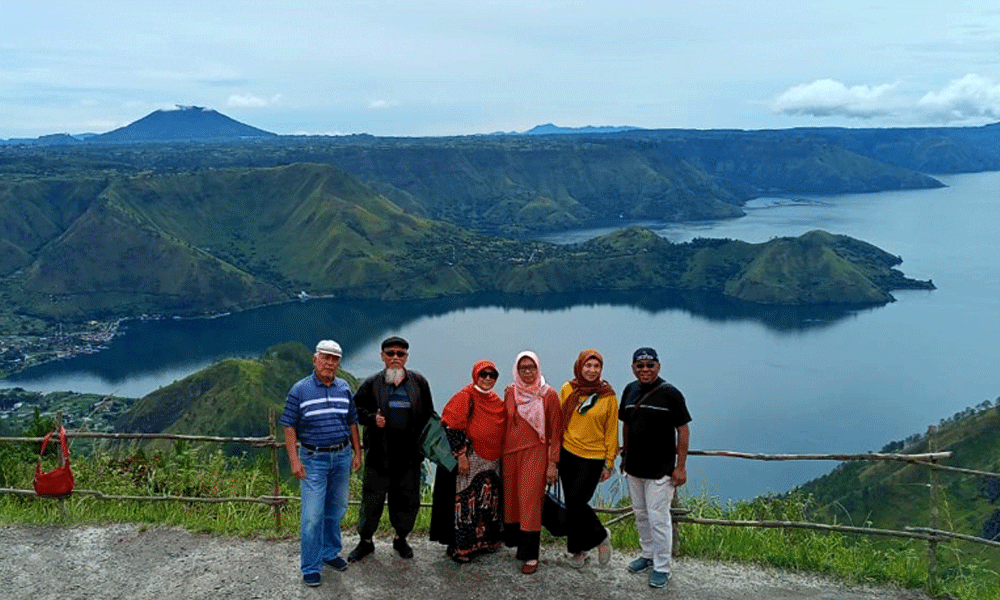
526, 542
401, 483
580, 477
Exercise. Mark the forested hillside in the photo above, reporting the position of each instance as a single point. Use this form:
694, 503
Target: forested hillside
229, 398
893, 495
229, 239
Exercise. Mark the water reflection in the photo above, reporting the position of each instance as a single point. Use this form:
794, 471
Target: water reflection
155, 346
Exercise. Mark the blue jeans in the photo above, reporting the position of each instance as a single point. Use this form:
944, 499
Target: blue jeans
324, 503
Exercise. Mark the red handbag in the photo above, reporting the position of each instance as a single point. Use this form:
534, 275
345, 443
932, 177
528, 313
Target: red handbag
58, 482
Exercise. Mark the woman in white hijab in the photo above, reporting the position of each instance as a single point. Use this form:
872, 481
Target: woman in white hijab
532, 441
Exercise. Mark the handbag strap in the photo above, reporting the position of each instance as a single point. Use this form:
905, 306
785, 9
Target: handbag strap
647, 394
62, 444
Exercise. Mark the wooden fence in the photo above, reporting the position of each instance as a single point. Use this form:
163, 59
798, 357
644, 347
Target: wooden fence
930, 460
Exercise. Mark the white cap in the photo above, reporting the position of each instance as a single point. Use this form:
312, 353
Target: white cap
329, 347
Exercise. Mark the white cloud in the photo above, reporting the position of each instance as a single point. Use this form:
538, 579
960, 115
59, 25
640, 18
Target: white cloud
251, 101
827, 97
970, 97
379, 104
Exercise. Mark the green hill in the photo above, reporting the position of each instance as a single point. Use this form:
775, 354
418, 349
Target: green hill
228, 398
893, 495
513, 184
212, 241
195, 243
814, 268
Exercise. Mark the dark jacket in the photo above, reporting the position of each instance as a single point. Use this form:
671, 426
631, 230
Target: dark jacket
372, 396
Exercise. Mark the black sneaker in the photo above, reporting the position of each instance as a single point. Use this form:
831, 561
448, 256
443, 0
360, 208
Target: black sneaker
399, 545
363, 549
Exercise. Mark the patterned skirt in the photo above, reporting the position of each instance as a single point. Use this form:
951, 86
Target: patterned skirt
478, 508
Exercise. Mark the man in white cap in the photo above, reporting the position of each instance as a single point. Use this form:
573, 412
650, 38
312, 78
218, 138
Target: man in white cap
321, 432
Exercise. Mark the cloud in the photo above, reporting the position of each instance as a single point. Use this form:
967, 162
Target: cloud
251, 101
380, 104
827, 98
970, 97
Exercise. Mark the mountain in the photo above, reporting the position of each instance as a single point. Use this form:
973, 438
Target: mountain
227, 398
185, 123
550, 129
195, 243
526, 184
518, 185
54, 139
814, 268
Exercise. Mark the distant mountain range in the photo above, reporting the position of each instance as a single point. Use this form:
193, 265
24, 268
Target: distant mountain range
194, 123
814, 160
550, 129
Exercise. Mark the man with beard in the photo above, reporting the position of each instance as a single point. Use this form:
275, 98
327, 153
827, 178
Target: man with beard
393, 405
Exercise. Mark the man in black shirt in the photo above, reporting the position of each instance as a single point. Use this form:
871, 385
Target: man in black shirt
393, 405
654, 459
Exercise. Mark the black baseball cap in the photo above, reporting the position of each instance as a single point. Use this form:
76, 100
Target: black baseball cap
645, 353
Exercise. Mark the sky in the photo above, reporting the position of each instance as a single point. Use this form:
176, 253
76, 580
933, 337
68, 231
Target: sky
458, 67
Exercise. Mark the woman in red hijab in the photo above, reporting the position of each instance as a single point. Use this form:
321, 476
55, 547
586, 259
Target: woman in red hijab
467, 512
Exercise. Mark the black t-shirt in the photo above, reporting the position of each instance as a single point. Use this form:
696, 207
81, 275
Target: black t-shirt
651, 443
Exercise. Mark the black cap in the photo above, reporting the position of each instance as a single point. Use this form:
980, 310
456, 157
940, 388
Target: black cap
645, 353
395, 342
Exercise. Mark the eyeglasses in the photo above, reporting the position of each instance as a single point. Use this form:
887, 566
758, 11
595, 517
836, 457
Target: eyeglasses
489, 374
394, 353
527, 368
649, 365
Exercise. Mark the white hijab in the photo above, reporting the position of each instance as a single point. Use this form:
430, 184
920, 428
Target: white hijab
529, 398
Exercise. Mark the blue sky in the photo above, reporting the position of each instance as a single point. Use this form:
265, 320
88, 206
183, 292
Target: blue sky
420, 68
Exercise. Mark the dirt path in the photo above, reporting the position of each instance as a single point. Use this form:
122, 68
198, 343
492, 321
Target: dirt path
130, 561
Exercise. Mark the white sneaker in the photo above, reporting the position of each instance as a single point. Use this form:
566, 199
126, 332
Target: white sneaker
604, 551
578, 560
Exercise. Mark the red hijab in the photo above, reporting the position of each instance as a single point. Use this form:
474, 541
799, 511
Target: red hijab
484, 424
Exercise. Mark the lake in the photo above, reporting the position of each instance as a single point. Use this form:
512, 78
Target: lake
757, 378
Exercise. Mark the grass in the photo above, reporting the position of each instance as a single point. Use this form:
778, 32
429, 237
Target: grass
186, 472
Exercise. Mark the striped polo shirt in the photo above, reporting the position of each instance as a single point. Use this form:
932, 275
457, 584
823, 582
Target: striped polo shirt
321, 415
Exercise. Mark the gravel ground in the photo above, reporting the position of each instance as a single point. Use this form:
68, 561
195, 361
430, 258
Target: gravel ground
132, 561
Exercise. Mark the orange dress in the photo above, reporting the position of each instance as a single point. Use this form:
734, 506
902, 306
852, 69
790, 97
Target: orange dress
525, 459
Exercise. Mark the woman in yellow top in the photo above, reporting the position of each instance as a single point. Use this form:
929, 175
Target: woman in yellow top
590, 443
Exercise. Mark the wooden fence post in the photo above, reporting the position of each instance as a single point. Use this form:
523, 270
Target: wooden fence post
675, 546
274, 469
61, 464
932, 543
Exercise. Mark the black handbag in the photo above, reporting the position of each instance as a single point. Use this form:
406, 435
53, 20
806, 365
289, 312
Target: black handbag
554, 511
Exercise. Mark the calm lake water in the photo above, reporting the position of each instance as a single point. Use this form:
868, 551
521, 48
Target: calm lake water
757, 378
